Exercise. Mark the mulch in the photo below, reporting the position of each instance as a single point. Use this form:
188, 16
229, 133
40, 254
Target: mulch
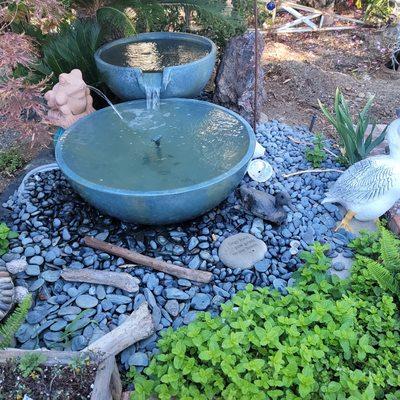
47, 382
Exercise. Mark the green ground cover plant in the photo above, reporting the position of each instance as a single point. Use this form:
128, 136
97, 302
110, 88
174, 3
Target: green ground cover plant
5, 234
326, 339
11, 160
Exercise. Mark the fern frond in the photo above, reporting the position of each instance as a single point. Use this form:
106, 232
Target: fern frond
13, 322
390, 251
383, 276
114, 18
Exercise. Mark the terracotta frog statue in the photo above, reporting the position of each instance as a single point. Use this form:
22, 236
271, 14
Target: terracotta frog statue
69, 100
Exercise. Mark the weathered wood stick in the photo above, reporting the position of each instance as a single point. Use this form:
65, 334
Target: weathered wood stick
171, 269
115, 383
103, 387
139, 325
313, 171
121, 280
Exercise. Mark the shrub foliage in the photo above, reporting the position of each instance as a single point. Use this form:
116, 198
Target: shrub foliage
384, 265
327, 339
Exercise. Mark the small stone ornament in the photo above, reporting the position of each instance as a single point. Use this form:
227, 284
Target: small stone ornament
265, 206
241, 251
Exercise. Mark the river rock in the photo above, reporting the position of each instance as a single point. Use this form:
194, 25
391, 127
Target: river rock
241, 251
86, 301
51, 276
172, 306
174, 293
235, 78
20, 292
16, 266
201, 301
139, 359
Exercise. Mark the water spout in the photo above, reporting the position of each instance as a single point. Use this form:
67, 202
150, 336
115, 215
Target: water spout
101, 94
157, 140
151, 83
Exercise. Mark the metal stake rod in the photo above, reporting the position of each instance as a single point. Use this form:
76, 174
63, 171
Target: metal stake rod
255, 7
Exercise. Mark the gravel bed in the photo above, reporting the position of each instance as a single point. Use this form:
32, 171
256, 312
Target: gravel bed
52, 220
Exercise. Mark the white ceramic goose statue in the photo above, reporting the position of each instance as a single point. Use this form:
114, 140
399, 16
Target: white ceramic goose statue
370, 187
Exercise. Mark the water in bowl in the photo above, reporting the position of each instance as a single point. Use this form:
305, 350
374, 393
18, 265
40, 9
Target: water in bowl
179, 145
154, 55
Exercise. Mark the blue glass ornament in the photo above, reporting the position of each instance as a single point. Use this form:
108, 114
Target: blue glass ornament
271, 6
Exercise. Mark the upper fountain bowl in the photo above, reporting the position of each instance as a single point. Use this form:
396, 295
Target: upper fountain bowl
175, 64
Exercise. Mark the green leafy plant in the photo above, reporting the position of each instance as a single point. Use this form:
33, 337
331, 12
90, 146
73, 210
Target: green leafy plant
357, 145
326, 339
78, 363
367, 244
377, 11
30, 363
13, 322
72, 47
5, 234
11, 160
316, 155
386, 268
79, 322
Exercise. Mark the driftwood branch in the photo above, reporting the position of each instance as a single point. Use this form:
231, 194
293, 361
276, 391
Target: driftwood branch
106, 386
121, 280
115, 383
314, 171
139, 325
140, 259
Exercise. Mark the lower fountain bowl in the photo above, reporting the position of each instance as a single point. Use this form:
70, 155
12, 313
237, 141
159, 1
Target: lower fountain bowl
185, 80
159, 207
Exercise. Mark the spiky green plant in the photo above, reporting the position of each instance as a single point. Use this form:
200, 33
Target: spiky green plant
13, 322
72, 47
386, 269
357, 145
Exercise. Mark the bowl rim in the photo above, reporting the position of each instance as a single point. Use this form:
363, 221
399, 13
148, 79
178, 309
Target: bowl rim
70, 174
155, 35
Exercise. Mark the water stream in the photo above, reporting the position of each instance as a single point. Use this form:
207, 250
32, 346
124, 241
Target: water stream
152, 87
101, 94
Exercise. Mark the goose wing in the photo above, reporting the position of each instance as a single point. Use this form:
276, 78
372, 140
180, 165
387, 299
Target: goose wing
365, 181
